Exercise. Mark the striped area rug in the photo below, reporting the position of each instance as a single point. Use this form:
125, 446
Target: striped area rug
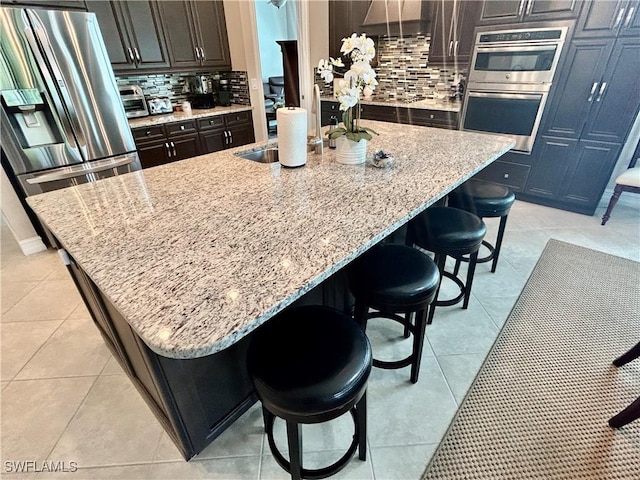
540, 403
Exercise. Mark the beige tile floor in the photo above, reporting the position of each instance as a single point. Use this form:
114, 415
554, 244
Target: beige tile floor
65, 400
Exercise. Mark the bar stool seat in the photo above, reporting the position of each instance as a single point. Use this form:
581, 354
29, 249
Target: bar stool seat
448, 231
486, 200
393, 280
310, 365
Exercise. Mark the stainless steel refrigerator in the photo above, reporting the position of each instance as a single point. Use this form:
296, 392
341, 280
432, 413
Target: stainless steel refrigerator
63, 121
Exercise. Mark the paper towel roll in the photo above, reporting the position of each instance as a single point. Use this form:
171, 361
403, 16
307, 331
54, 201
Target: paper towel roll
292, 136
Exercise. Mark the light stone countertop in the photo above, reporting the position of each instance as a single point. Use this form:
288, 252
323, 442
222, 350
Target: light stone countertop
180, 116
196, 254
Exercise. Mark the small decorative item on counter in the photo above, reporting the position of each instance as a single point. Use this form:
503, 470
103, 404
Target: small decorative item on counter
381, 159
359, 80
160, 105
333, 123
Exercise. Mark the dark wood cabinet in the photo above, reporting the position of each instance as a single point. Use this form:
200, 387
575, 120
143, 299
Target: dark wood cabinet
196, 34
132, 33
160, 144
345, 18
511, 174
515, 11
452, 24
550, 166
609, 18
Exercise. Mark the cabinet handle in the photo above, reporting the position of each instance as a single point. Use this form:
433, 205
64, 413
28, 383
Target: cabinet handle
450, 47
619, 18
226, 137
230, 138
197, 54
148, 132
601, 92
627, 20
529, 7
181, 127
202, 55
131, 58
594, 87
135, 50
166, 145
506, 175
520, 7
455, 49
173, 147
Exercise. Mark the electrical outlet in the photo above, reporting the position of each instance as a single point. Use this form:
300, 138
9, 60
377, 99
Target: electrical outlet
254, 84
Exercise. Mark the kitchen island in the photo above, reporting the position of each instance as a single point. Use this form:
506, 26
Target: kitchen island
178, 264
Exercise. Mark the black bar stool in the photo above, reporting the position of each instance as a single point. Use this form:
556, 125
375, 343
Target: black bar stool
486, 200
448, 231
310, 365
394, 280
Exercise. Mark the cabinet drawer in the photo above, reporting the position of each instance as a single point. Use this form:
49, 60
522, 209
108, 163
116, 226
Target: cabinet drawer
148, 134
512, 175
330, 107
238, 118
180, 128
435, 118
209, 123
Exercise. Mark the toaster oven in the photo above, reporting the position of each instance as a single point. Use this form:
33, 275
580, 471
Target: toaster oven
133, 101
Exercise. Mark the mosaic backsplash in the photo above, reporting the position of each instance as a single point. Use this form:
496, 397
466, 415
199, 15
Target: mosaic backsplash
404, 73
172, 85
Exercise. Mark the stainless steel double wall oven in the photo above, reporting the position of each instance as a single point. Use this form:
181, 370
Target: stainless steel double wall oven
510, 76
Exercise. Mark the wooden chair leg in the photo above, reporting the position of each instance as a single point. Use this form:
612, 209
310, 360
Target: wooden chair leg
612, 203
626, 416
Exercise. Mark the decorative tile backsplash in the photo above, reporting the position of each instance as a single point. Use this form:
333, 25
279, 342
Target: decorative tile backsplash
403, 70
172, 85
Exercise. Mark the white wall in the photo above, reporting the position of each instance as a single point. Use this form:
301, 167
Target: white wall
274, 24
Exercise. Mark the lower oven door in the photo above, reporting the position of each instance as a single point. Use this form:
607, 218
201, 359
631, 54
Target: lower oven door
513, 113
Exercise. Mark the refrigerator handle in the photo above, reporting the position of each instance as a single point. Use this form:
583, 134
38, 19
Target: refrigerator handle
58, 80
57, 102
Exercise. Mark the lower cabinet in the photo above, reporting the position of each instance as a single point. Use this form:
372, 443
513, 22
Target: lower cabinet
175, 141
411, 116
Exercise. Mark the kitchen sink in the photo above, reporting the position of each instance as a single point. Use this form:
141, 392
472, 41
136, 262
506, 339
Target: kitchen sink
266, 155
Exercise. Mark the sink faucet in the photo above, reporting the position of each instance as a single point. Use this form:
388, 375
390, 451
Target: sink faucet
316, 141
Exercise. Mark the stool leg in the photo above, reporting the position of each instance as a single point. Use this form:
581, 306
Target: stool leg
456, 267
628, 356
472, 268
360, 311
407, 317
496, 251
418, 342
440, 259
361, 413
294, 439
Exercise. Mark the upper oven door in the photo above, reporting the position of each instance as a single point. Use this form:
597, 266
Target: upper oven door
515, 64
514, 112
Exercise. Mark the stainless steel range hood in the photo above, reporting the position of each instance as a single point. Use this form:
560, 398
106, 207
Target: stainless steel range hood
394, 17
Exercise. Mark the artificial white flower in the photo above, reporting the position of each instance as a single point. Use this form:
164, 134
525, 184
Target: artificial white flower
348, 98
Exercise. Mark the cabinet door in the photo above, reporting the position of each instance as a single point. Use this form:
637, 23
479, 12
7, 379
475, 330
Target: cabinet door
550, 166
213, 140
212, 33
184, 147
590, 171
181, 38
146, 34
601, 19
153, 154
631, 23
618, 100
572, 98
466, 23
441, 46
550, 9
501, 11
240, 135
114, 32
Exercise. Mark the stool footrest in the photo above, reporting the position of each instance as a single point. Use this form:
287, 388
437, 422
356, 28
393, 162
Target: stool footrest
486, 259
452, 301
394, 364
318, 473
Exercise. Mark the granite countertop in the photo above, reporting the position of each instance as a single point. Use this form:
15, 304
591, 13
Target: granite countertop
196, 254
180, 116
427, 104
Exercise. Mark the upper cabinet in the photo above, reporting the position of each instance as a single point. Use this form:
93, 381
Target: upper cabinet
59, 4
608, 19
196, 34
452, 24
345, 18
514, 11
132, 33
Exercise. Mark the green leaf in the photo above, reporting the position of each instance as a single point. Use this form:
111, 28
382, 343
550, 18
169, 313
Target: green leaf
336, 132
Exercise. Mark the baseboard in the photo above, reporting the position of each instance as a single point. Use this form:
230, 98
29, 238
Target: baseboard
32, 245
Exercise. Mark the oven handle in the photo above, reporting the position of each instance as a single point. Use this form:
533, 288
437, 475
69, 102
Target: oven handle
519, 48
518, 96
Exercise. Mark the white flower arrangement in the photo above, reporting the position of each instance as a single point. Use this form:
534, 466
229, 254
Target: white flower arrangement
359, 80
